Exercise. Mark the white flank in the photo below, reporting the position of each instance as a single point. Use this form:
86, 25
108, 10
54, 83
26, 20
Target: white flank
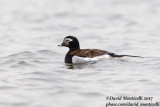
77, 59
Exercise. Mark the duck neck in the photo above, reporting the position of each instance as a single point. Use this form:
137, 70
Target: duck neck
70, 54
73, 49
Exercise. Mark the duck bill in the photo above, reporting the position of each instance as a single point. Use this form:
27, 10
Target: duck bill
62, 45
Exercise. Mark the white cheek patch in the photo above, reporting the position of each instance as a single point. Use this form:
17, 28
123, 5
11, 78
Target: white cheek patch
67, 40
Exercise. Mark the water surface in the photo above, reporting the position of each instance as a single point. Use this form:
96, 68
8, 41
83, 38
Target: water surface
32, 68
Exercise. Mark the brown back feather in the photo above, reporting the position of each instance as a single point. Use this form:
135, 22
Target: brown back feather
90, 53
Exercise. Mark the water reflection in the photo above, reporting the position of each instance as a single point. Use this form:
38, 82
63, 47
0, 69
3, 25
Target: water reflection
80, 65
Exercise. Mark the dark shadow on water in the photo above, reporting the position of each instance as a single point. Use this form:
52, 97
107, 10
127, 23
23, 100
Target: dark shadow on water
80, 65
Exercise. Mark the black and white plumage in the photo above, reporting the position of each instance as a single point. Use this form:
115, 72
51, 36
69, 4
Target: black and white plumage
77, 55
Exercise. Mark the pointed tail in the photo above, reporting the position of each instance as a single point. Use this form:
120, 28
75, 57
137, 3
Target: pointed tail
114, 55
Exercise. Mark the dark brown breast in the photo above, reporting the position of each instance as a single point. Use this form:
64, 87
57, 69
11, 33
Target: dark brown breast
90, 53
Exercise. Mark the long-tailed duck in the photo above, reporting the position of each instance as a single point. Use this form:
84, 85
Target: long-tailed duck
77, 55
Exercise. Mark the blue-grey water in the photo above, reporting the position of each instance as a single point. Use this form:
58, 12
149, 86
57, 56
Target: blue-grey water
32, 68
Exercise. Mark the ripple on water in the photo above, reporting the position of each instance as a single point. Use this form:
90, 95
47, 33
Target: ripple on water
7, 87
23, 64
29, 59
